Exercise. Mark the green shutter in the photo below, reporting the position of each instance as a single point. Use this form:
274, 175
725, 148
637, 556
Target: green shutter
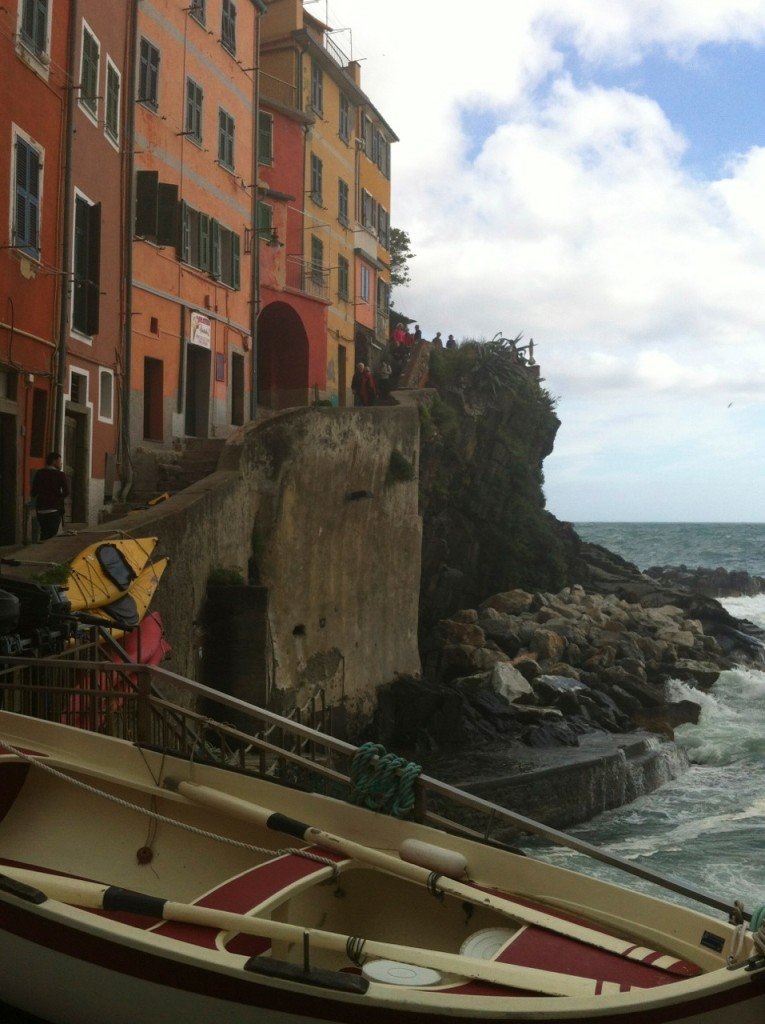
235, 261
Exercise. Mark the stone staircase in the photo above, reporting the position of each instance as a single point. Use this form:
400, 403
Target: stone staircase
165, 470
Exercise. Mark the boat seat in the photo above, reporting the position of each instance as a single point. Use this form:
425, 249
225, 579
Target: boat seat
249, 893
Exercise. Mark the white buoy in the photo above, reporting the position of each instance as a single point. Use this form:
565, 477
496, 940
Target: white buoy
391, 972
486, 943
435, 858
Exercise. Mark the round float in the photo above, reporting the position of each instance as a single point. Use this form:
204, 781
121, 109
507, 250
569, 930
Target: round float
486, 943
391, 972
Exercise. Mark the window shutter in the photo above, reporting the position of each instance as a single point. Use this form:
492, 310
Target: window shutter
93, 283
235, 261
22, 174
167, 215
147, 184
204, 242
215, 248
185, 233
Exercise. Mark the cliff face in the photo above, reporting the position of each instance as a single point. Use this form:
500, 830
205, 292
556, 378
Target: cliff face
486, 427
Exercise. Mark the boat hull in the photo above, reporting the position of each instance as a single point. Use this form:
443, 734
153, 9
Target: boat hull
76, 806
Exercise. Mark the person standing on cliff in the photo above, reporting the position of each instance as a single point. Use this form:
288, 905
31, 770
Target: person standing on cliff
356, 382
50, 487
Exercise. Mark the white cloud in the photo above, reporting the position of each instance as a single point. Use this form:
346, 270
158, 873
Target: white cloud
538, 204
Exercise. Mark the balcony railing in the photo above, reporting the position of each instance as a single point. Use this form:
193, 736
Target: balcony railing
306, 277
335, 52
132, 702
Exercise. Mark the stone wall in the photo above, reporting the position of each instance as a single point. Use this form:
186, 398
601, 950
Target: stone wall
302, 505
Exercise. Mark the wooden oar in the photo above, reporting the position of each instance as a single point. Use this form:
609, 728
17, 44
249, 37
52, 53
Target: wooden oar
96, 896
423, 876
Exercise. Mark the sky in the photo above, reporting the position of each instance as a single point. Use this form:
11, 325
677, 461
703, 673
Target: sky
591, 173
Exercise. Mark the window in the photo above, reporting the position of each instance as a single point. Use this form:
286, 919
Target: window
345, 118
208, 245
228, 26
366, 134
316, 176
368, 211
78, 388
91, 53
225, 139
106, 395
148, 75
34, 26
343, 275
342, 201
317, 260
194, 98
265, 138
317, 88
156, 215
265, 219
26, 213
86, 266
383, 226
383, 296
112, 117
365, 279
197, 11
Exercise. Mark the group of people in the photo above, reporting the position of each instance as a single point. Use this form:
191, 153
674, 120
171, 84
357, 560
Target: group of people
368, 386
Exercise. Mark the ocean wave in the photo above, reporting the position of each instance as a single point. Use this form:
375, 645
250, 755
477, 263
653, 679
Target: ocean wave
731, 726
752, 608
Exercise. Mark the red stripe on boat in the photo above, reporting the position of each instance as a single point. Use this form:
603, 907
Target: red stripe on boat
242, 894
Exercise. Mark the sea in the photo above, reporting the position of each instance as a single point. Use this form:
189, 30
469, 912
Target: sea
707, 827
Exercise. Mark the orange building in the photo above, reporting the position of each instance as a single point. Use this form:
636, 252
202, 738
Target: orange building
193, 273
341, 252
33, 116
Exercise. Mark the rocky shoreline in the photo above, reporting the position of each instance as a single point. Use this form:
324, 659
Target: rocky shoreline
558, 704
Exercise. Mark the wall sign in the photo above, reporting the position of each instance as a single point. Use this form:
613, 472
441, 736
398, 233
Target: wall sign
201, 330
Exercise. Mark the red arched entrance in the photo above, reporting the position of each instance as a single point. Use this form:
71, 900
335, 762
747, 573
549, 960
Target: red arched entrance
282, 358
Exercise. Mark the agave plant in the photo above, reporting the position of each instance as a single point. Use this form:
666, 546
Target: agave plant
495, 365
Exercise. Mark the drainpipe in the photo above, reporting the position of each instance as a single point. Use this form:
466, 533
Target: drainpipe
127, 235
255, 305
66, 230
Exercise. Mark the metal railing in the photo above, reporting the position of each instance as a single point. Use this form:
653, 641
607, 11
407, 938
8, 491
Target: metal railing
305, 276
131, 702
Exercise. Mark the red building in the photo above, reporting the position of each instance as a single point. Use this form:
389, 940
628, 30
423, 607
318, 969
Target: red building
94, 255
292, 325
34, 36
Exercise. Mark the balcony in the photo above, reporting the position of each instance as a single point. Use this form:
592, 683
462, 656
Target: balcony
306, 277
277, 90
335, 52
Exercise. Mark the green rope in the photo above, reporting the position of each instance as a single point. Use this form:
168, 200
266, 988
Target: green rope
383, 782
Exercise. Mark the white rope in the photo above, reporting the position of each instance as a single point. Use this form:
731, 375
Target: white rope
163, 818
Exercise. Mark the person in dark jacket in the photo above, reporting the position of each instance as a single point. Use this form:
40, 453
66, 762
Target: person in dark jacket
50, 487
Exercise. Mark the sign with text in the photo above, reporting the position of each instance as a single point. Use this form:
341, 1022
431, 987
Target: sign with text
201, 330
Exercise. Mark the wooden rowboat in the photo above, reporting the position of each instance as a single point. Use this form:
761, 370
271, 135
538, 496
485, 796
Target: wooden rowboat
138, 885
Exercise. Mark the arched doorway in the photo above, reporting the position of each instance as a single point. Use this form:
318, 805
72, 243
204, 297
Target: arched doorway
282, 358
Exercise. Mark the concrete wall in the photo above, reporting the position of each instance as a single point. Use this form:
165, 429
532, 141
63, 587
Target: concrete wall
301, 504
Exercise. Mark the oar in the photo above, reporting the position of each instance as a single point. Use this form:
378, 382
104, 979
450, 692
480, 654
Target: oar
413, 872
93, 895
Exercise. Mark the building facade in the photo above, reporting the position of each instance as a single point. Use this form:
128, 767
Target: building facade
192, 272
341, 253
34, 45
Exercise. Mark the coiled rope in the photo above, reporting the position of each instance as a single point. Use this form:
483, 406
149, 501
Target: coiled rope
383, 782
156, 816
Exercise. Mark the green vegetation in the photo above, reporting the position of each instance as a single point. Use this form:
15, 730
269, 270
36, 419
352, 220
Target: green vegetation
57, 575
400, 469
225, 576
400, 254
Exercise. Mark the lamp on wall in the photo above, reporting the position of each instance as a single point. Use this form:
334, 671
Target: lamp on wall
274, 242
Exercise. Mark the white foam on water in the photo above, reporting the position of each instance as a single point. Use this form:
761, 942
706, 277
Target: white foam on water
752, 608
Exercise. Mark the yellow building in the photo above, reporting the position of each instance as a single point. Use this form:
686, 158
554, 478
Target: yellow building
345, 206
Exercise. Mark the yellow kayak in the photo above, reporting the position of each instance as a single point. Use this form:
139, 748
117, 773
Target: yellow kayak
106, 570
129, 609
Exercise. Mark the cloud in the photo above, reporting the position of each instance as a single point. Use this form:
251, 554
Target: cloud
540, 199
